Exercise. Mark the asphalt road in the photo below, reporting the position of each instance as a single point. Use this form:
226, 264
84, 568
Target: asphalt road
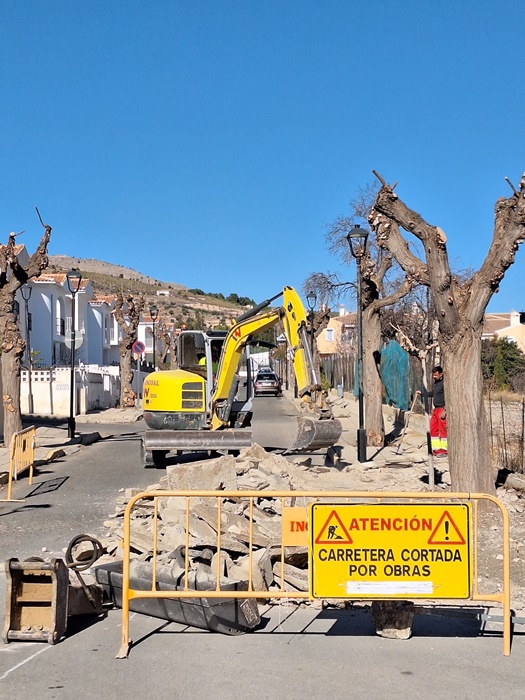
297, 652
77, 493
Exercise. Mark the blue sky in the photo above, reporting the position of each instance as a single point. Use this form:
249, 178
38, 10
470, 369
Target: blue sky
210, 143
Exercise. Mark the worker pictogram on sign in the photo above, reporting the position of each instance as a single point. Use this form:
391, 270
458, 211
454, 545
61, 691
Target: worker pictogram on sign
333, 531
446, 531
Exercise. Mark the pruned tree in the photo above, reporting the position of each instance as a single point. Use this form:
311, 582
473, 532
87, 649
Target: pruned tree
377, 295
127, 312
13, 274
165, 345
460, 305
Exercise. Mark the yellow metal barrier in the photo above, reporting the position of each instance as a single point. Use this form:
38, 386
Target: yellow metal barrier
22, 456
327, 533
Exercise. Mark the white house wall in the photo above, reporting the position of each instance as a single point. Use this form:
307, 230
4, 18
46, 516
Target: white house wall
81, 313
95, 334
42, 331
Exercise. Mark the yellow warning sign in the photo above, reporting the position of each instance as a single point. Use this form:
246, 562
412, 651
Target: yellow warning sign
390, 550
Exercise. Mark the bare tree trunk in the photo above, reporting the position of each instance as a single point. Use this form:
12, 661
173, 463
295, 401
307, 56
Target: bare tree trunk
127, 395
12, 351
12, 276
372, 385
468, 439
163, 346
127, 312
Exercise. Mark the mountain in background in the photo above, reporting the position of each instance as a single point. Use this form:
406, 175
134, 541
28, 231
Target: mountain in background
99, 267
176, 304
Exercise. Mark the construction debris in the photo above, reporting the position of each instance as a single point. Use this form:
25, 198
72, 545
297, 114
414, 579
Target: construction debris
253, 469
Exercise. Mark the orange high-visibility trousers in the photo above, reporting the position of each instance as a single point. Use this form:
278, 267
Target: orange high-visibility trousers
438, 431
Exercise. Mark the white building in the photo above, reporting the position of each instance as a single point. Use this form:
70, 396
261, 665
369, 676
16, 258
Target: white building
103, 332
50, 308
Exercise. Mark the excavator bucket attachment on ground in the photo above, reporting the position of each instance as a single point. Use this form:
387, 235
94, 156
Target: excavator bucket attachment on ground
189, 440
314, 434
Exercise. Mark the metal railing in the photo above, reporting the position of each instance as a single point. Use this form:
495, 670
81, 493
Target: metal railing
151, 498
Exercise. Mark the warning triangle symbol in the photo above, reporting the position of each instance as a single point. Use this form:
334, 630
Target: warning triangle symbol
333, 531
446, 531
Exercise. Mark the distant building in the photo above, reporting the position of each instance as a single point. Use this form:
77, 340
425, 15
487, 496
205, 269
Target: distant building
339, 333
506, 325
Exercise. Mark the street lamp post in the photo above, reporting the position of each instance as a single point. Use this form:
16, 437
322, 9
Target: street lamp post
311, 298
25, 291
357, 238
154, 313
74, 279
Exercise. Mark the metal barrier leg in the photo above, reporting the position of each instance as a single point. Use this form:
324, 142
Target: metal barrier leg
125, 642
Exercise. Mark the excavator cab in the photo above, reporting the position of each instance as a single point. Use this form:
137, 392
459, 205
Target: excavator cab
200, 352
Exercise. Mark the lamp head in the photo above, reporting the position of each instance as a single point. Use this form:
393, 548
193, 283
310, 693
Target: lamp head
25, 291
357, 238
311, 298
153, 312
74, 279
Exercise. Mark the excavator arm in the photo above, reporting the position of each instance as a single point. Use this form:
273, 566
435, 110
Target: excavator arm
293, 317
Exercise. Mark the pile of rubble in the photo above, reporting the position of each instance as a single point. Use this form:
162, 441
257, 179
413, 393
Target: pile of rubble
253, 470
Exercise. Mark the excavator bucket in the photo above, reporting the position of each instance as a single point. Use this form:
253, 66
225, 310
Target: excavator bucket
314, 434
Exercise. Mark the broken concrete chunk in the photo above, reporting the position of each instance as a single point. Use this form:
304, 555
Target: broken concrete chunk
228, 544
172, 536
210, 475
252, 481
298, 578
208, 513
296, 556
273, 506
241, 531
303, 461
255, 451
226, 562
262, 575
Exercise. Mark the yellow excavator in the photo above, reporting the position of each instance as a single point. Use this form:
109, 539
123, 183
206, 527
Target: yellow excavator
195, 407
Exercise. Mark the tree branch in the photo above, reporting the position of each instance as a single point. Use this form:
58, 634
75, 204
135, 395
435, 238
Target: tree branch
393, 298
389, 237
439, 278
509, 233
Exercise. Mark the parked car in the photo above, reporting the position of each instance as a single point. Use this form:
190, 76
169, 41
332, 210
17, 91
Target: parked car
267, 382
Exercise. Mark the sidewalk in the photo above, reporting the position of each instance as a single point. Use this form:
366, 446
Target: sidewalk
52, 442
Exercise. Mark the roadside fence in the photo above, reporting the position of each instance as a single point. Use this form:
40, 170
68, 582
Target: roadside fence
361, 546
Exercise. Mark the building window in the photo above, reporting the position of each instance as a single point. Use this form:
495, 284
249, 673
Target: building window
60, 323
329, 335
